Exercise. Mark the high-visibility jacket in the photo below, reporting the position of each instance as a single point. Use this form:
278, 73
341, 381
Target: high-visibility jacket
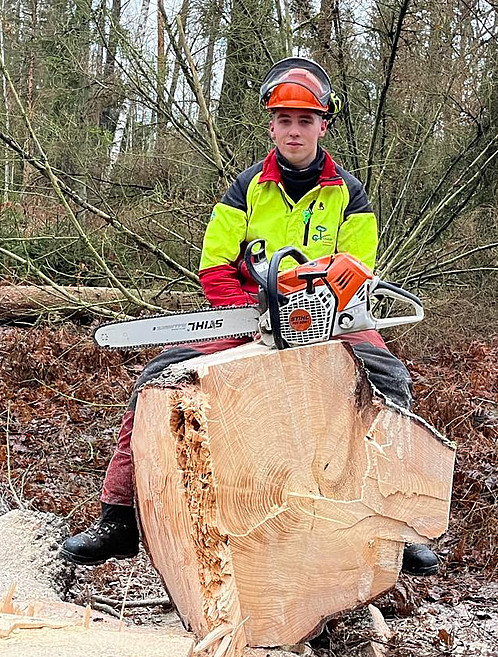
334, 216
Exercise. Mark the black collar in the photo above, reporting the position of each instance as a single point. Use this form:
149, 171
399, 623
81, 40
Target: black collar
299, 181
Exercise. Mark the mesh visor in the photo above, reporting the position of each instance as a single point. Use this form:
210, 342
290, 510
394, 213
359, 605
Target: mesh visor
303, 72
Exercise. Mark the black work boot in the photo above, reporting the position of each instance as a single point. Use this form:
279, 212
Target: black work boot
115, 534
419, 560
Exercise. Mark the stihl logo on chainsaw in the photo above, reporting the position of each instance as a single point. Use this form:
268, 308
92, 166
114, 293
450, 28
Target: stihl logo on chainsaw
300, 320
205, 324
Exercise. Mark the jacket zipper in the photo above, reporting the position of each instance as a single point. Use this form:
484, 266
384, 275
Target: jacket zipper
307, 214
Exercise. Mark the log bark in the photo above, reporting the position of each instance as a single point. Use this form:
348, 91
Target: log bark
32, 300
275, 490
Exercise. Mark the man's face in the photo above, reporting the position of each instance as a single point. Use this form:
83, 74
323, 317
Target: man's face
295, 133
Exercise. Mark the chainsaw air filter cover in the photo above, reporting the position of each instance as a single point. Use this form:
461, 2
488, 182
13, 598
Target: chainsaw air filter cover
308, 318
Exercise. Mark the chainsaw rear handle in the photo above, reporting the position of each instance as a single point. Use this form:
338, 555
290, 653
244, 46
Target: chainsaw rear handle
384, 289
275, 298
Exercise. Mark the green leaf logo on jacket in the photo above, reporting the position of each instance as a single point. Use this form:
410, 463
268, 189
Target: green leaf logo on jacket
320, 235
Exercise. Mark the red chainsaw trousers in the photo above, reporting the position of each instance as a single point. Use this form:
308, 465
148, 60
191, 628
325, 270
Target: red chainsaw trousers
118, 482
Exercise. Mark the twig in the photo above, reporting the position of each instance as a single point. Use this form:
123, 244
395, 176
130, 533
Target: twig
401, 195
121, 615
106, 609
80, 504
132, 604
9, 472
428, 272
77, 399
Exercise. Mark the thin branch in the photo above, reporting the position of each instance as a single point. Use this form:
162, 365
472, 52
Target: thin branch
442, 205
197, 89
109, 219
62, 197
461, 256
384, 90
423, 277
408, 176
403, 250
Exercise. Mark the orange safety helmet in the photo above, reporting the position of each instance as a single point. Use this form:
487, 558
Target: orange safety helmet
298, 83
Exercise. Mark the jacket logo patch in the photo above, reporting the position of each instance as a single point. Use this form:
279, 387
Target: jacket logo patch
320, 234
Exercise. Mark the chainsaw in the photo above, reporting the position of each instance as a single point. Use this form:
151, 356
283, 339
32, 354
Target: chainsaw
311, 302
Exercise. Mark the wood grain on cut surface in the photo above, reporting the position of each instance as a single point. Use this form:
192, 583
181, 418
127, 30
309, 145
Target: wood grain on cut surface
274, 491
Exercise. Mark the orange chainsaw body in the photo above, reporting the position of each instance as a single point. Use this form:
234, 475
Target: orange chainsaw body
344, 273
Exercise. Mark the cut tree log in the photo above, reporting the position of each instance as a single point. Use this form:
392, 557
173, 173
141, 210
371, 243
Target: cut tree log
275, 490
33, 300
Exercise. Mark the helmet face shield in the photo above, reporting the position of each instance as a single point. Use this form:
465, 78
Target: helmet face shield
295, 73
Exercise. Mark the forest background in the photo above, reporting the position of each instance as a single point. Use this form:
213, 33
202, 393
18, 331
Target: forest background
122, 124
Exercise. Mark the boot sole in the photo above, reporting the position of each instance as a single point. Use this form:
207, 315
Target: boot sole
82, 561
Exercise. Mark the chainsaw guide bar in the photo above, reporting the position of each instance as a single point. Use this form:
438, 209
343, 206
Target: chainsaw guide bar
178, 328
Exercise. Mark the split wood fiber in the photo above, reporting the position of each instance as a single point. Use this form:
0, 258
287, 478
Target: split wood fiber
43, 627
275, 490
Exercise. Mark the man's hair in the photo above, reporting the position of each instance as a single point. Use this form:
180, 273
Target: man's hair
293, 109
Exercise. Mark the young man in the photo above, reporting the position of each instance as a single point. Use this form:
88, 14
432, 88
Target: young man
297, 196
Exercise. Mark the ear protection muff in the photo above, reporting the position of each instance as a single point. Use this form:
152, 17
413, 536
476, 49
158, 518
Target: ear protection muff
335, 104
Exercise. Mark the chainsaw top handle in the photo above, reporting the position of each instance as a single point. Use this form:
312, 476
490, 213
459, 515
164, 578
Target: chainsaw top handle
275, 299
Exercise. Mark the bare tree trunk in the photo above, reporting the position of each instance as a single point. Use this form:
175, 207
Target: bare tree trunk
125, 107
106, 118
288, 29
30, 84
284, 24
161, 58
7, 167
216, 9
350, 132
184, 11
321, 47
99, 57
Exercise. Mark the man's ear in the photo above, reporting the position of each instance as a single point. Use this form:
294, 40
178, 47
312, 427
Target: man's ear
323, 128
271, 130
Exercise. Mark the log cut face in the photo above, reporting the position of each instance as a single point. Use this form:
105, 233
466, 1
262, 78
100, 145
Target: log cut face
275, 491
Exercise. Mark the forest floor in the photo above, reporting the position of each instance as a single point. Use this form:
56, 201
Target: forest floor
60, 402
